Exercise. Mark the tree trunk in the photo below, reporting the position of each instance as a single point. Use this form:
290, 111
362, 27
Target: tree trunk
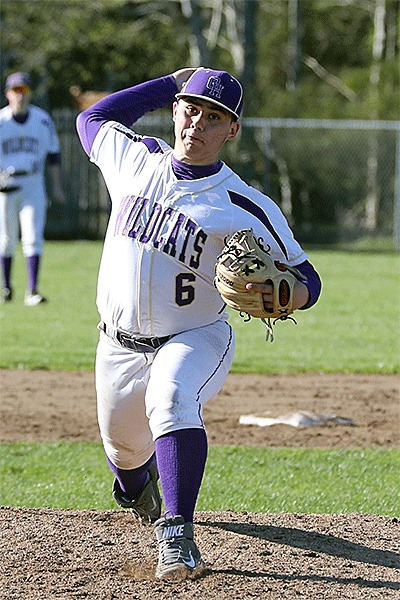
199, 55
246, 21
372, 199
294, 44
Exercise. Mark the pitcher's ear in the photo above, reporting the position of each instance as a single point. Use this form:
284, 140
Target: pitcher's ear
234, 130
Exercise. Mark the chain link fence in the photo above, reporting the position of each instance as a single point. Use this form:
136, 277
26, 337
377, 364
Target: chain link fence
337, 182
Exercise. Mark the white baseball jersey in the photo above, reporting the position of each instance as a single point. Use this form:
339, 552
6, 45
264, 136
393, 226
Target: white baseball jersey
164, 235
25, 146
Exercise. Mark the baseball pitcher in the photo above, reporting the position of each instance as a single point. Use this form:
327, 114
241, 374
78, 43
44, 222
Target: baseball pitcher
166, 345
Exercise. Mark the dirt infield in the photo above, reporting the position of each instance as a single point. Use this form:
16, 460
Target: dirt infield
58, 554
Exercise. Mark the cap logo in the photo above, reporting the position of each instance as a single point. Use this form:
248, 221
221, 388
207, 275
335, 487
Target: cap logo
215, 87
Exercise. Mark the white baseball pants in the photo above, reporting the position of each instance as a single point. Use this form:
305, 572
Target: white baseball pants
143, 396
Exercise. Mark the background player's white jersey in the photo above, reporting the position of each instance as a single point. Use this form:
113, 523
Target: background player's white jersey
164, 235
25, 146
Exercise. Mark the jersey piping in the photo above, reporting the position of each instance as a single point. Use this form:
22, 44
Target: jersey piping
257, 211
151, 143
217, 367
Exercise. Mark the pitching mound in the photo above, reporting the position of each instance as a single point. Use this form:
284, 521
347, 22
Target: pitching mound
51, 554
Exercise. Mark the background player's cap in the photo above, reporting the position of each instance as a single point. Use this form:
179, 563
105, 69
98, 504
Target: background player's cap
218, 87
17, 80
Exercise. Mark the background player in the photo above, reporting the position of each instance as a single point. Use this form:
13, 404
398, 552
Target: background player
28, 139
165, 345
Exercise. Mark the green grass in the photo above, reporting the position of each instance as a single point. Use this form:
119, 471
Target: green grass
301, 480
75, 476
354, 327
61, 334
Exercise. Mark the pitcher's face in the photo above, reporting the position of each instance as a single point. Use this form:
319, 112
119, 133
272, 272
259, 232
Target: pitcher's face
201, 129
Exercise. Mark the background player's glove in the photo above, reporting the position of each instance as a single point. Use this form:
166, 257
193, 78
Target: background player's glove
245, 260
7, 183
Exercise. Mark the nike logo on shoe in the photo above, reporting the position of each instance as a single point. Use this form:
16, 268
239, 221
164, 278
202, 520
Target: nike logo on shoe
173, 531
191, 562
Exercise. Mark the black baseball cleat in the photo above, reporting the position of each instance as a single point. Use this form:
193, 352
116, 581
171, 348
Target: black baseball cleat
6, 295
146, 507
179, 557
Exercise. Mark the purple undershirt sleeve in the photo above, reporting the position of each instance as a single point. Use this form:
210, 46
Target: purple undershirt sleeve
313, 282
126, 107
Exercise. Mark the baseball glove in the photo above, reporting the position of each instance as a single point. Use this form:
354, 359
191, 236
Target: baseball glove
7, 182
245, 260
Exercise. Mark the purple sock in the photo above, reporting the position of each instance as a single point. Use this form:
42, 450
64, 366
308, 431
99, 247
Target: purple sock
6, 262
181, 458
32, 265
131, 481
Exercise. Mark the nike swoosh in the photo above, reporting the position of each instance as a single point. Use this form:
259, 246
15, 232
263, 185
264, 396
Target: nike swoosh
190, 563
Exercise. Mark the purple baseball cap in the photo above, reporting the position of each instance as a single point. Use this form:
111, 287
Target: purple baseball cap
18, 79
218, 87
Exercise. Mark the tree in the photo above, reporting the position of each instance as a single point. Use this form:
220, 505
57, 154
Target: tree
372, 199
303, 58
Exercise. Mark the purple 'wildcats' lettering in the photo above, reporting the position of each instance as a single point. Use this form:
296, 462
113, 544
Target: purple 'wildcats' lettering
158, 239
165, 228
200, 239
129, 212
151, 223
21, 144
136, 228
170, 245
190, 228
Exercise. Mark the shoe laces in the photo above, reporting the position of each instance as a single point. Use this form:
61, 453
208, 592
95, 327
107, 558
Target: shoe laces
172, 550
